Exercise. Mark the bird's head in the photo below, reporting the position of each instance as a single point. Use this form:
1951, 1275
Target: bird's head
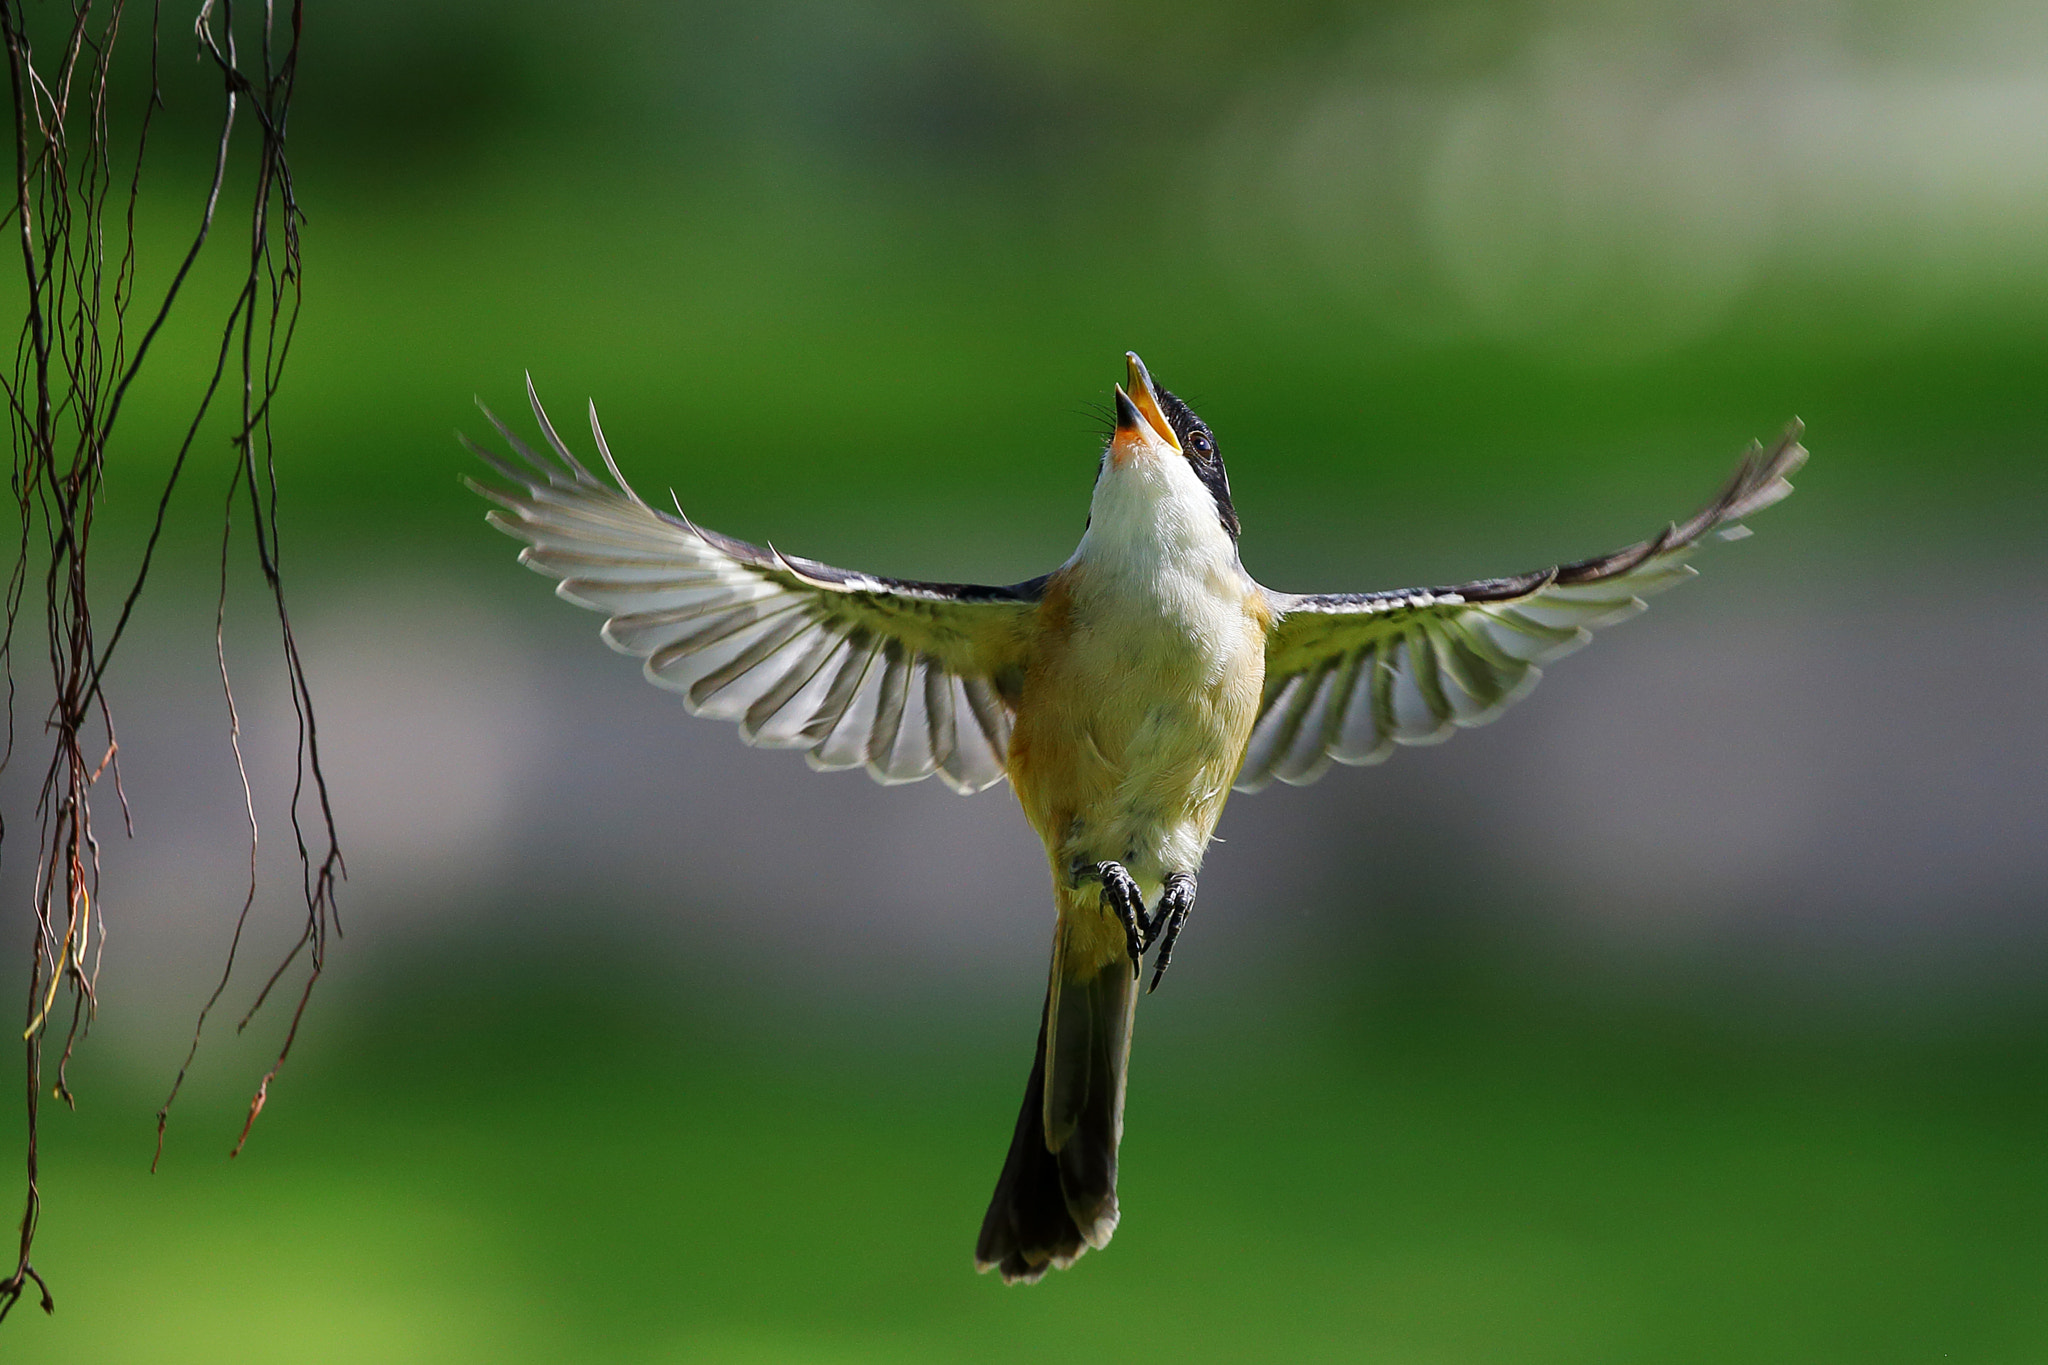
1154, 426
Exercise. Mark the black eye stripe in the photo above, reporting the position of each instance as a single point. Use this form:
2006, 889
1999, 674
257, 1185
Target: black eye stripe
1200, 443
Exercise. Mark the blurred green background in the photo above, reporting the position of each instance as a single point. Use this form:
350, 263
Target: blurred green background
1692, 1013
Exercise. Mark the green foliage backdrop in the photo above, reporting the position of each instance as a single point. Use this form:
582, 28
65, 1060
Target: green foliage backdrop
1462, 289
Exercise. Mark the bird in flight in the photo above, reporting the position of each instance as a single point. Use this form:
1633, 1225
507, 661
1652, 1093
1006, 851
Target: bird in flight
1123, 695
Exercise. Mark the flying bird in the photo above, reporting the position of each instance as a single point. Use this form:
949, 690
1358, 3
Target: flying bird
1123, 695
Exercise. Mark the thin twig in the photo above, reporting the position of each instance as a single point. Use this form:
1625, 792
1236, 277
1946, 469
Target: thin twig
64, 396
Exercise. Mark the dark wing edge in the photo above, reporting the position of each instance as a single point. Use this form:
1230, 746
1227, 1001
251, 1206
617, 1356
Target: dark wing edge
890, 675
1351, 675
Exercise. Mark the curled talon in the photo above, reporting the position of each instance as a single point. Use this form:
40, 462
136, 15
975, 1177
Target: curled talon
1174, 904
1121, 893
1160, 962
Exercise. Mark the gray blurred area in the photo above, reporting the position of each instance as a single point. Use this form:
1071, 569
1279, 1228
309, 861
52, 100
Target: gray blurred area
1817, 789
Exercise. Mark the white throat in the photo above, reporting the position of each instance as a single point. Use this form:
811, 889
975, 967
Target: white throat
1153, 517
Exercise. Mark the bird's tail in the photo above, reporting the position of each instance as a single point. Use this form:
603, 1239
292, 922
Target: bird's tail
1056, 1196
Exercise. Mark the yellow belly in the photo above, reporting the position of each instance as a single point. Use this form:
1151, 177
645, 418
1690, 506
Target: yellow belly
1128, 733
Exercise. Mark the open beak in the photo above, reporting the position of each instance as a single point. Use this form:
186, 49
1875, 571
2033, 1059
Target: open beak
1138, 412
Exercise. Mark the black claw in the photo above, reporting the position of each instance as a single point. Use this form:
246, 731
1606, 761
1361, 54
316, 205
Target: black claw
1128, 903
1175, 902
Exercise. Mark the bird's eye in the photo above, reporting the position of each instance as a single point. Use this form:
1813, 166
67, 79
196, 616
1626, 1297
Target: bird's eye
1202, 444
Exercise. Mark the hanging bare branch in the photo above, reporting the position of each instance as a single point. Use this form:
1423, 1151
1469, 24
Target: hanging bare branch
72, 371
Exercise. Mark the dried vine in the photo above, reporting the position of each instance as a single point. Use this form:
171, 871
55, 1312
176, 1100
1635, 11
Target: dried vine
73, 367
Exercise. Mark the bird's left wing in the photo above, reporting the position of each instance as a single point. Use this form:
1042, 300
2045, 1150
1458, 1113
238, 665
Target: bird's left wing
1350, 675
901, 678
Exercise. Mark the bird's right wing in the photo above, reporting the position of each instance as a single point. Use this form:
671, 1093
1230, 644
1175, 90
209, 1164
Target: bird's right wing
1350, 675
904, 679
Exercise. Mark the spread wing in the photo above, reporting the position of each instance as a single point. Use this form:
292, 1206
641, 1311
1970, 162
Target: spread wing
898, 677
1350, 675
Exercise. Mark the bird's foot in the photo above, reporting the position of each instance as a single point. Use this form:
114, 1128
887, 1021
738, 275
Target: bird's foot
1175, 901
1120, 892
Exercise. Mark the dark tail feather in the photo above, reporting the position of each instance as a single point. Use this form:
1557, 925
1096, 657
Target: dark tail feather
1050, 1206
1027, 1228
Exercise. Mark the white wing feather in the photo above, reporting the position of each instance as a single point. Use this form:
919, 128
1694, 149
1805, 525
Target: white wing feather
1350, 676
904, 679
